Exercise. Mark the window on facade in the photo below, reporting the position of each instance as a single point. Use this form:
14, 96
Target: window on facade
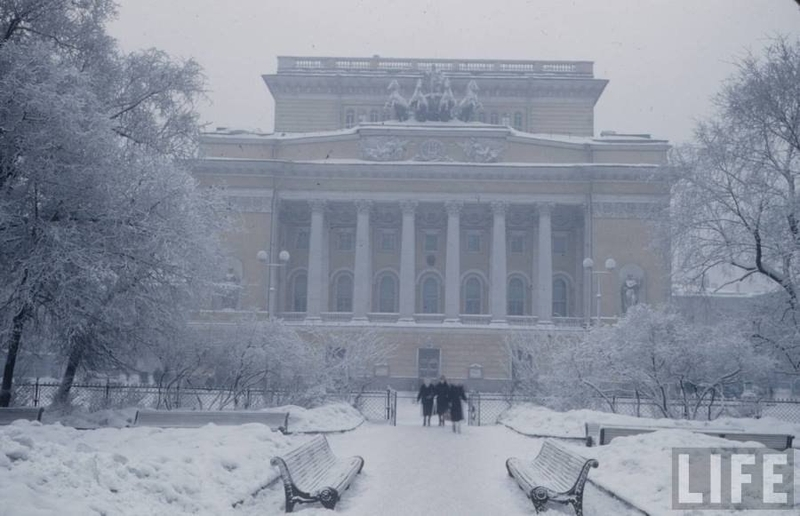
560, 245
473, 242
428, 363
388, 241
517, 243
344, 293
387, 294
299, 292
506, 119
518, 120
345, 241
516, 297
350, 118
302, 238
373, 116
482, 117
430, 296
431, 242
494, 119
472, 296
560, 297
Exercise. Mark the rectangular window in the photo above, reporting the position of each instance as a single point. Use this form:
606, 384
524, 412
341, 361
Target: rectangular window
428, 362
517, 243
345, 241
388, 241
431, 242
559, 244
302, 238
473, 242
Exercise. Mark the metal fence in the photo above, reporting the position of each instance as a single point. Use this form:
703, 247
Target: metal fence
486, 408
376, 406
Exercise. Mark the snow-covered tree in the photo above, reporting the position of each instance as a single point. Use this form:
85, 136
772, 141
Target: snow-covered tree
104, 238
736, 201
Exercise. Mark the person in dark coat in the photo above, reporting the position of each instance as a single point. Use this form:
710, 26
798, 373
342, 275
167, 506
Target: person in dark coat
457, 395
442, 398
426, 394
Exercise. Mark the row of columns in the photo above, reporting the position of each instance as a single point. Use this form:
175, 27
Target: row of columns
452, 295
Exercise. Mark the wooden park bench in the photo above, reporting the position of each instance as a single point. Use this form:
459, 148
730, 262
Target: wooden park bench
608, 433
555, 475
10, 414
312, 473
196, 418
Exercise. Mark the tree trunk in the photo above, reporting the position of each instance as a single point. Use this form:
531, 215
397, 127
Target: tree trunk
17, 326
73, 362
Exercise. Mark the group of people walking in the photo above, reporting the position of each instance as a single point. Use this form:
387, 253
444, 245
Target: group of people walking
447, 398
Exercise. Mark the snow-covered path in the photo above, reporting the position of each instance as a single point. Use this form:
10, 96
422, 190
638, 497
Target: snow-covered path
411, 470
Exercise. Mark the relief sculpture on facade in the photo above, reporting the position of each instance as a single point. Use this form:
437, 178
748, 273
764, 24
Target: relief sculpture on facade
383, 148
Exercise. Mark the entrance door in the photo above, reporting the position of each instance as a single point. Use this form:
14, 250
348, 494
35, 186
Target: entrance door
428, 361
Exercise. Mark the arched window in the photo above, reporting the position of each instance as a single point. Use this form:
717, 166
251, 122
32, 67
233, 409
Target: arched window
387, 294
344, 293
430, 295
299, 292
518, 121
472, 296
560, 297
494, 119
350, 118
373, 116
516, 297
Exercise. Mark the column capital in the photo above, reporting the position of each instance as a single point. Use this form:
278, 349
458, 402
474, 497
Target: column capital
453, 207
317, 205
545, 208
408, 206
363, 205
499, 207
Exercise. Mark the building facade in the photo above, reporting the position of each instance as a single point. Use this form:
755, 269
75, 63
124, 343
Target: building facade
445, 234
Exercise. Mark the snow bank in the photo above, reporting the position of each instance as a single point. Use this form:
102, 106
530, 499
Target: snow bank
337, 417
52, 469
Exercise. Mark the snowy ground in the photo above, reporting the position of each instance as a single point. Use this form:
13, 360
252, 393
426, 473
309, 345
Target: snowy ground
409, 469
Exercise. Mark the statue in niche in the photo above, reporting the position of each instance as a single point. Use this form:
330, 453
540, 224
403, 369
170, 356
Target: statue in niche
230, 295
630, 292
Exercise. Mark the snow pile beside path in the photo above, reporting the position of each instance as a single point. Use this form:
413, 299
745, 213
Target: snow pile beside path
52, 469
639, 468
337, 417
536, 420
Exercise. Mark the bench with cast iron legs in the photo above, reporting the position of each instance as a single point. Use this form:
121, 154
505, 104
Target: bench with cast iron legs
312, 473
555, 475
196, 418
10, 414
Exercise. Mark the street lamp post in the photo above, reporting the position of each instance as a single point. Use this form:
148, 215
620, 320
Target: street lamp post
263, 257
588, 264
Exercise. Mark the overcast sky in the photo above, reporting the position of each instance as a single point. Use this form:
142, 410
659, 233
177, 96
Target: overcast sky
664, 58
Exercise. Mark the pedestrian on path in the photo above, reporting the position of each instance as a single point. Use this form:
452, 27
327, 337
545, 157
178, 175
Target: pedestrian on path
457, 395
425, 395
442, 398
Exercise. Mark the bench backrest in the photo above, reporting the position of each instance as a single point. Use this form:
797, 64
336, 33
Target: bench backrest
609, 433
10, 414
306, 463
198, 418
774, 441
563, 468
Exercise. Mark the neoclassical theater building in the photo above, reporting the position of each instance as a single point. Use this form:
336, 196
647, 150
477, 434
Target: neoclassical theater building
444, 203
